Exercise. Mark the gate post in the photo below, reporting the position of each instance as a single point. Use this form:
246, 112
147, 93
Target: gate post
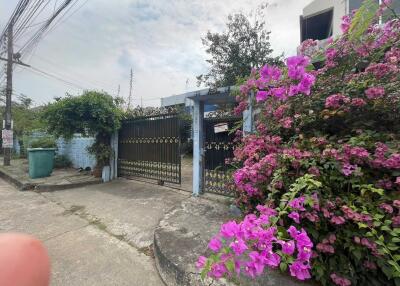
198, 148
248, 116
114, 157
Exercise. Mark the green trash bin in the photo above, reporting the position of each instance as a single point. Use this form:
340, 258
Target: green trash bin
41, 162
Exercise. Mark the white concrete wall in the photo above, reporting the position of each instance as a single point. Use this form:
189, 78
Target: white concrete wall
76, 150
173, 100
340, 8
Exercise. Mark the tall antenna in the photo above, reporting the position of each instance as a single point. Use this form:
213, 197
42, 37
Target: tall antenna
130, 90
119, 90
187, 85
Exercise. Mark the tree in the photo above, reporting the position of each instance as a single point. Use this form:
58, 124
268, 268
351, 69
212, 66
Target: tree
234, 52
92, 113
25, 117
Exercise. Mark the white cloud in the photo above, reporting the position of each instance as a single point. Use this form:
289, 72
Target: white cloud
160, 40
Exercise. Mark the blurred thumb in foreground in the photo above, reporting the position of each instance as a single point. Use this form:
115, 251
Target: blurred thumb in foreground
23, 261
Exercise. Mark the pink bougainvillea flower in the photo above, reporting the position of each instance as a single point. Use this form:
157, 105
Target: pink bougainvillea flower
250, 270
386, 208
293, 232
270, 73
288, 247
346, 22
295, 216
393, 162
201, 262
266, 210
300, 270
286, 122
215, 244
279, 92
396, 221
336, 101
272, 259
257, 262
293, 90
238, 246
306, 83
380, 70
338, 220
358, 102
261, 95
218, 270
297, 203
375, 92
229, 229
348, 169
314, 171
325, 248
340, 281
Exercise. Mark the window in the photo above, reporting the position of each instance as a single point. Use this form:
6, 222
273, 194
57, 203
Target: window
316, 27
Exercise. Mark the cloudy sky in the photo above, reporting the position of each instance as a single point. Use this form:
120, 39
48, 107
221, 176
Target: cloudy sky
97, 45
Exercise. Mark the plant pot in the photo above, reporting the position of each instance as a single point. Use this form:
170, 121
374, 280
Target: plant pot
97, 171
41, 162
106, 174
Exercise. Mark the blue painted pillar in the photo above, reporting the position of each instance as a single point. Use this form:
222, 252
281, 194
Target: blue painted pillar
114, 158
248, 116
198, 147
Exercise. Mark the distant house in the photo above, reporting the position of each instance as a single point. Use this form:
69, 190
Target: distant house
183, 100
322, 19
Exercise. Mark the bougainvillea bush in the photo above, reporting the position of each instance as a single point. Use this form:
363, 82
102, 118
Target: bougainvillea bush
320, 178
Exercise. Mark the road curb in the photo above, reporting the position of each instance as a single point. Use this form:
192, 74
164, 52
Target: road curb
40, 188
182, 236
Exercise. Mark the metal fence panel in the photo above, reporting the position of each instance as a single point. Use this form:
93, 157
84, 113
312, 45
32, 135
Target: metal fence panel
149, 147
219, 146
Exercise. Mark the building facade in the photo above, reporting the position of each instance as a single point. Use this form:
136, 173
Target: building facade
321, 19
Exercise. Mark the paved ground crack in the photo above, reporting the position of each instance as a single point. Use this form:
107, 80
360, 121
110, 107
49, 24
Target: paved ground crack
96, 222
65, 232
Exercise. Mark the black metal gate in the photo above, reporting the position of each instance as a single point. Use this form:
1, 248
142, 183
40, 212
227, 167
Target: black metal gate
149, 147
219, 145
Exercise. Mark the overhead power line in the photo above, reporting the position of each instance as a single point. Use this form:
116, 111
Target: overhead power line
37, 36
46, 74
22, 17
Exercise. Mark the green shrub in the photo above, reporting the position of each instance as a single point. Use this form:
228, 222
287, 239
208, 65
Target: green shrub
319, 180
44, 142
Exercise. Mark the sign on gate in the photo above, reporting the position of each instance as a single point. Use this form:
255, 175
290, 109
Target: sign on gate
221, 127
7, 137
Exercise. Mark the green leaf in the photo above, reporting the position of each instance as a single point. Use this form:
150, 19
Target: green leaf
230, 265
362, 225
357, 254
362, 19
386, 228
283, 266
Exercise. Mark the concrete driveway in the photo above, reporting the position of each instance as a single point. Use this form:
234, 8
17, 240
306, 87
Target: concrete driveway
97, 235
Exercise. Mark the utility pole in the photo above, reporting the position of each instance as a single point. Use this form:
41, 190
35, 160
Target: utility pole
119, 90
130, 91
7, 116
